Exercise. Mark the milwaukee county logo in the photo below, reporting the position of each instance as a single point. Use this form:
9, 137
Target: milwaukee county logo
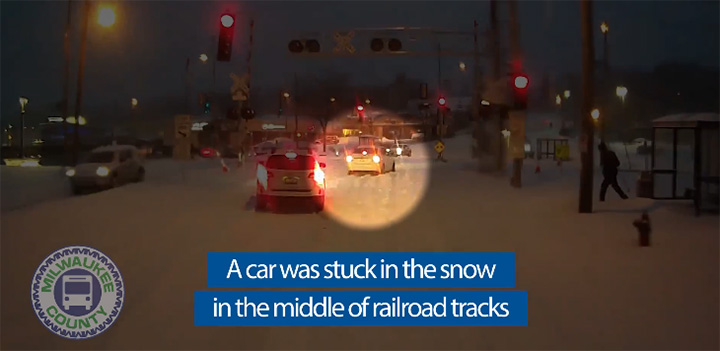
77, 292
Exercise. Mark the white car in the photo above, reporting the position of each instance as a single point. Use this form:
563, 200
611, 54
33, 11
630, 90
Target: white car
290, 174
107, 167
369, 159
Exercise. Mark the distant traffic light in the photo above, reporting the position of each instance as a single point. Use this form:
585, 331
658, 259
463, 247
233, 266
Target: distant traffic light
442, 102
207, 107
309, 45
378, 44
247, 113
225, 38
360, 108
520, 83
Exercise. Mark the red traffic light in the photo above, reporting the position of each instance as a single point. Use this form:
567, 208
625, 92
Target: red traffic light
521, 81
227, 20
360, 108
441, 101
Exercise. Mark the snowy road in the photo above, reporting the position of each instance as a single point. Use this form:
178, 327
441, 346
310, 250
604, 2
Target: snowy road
589, 285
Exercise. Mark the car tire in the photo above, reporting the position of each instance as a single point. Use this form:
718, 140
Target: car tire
320, 204
350, 172
140, 175
76, 190
260, 202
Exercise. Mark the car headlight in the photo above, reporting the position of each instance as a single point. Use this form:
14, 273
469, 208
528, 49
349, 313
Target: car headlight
102, 171
348, 158
399, 151
376, 158
70, 172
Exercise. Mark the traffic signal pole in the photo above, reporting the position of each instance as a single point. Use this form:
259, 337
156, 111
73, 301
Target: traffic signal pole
587, 136
79, 87
518, 117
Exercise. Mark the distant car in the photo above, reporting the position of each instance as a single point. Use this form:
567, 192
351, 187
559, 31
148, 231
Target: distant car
290, 174
107, 167
644, 146
404, 150
369, 159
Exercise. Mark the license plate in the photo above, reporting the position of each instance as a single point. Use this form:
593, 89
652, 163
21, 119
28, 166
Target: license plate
290, 180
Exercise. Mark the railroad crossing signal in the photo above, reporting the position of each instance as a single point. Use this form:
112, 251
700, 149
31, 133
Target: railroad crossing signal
344, 42
439, 147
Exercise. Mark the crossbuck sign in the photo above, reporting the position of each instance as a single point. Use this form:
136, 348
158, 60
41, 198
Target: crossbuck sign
344, 42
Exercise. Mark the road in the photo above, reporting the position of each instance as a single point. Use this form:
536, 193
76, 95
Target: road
589, 285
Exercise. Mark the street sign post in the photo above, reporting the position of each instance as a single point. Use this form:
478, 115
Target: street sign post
439, 147
183, 137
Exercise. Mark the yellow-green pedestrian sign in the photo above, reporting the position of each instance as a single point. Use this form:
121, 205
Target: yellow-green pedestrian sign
439, 147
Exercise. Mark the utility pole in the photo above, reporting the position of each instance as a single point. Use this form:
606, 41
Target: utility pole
295, 105
498, 116
80, 76
517, 117
587, 136
440, 115
66, 77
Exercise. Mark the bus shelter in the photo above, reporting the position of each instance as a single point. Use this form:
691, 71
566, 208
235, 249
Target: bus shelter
685, 157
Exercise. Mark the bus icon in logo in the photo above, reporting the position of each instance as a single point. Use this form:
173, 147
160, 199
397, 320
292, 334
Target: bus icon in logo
77, 291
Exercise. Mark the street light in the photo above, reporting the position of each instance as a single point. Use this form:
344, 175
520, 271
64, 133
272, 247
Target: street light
203, 58
332, 99
134, 102
595, 114
621, 92
367, 101
558, 100
106, 16
567, 94
23, 102
604, 28
286, 95
462, 66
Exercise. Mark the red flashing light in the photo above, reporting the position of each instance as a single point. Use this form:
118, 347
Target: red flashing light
521, 81
227, 20
360, 108
442, 101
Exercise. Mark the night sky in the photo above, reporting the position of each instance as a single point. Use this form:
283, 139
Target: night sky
143, 55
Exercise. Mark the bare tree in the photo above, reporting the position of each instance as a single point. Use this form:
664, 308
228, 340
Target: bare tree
322, 96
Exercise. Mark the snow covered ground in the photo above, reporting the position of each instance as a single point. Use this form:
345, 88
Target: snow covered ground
590, 286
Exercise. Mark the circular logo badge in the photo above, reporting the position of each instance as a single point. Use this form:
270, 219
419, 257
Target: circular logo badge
77, 292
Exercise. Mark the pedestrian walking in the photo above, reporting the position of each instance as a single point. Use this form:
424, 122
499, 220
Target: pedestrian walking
610, 163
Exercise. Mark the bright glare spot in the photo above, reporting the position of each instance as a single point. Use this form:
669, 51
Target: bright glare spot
348, 158
558, 100
332, 99
70, 173
30, 163
134, 102
485, 103
567, 94
621, 91
227, 21
102, 171
505, 133
528, 148
106, 17
595, 114
521, 82
360, 108
441, 101
376, 158
462, 66
203, 57
604, 27
367, 101
398, 151
286, 95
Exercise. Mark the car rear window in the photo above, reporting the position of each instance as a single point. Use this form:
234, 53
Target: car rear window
300, 163
359, 150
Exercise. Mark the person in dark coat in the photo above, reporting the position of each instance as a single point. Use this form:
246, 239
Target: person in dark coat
610, 163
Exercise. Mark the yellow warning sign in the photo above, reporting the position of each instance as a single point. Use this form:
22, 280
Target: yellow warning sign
439, 147
562, 152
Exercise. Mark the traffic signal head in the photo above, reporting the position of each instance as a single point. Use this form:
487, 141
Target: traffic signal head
298, 46
207, 106
442, 102
520, 83
360, 108
247, 113
225, 37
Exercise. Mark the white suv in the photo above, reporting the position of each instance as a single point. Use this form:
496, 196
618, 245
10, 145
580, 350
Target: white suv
290, 174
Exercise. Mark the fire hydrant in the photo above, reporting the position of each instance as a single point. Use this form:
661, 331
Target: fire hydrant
643, 227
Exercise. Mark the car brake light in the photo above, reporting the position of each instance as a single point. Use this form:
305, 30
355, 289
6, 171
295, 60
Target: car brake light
318, 175
376, 158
